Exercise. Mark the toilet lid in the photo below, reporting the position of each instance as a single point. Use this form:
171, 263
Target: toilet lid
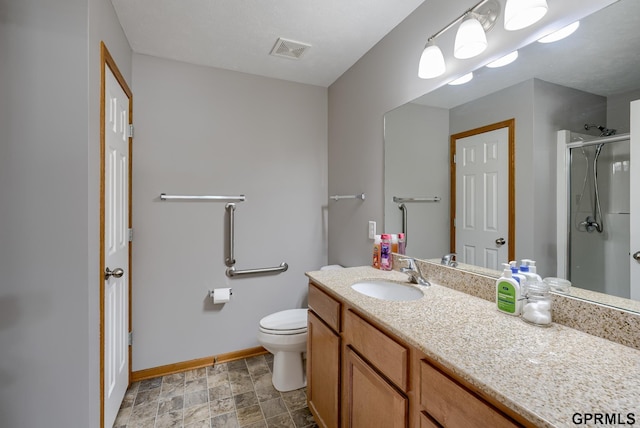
291, 320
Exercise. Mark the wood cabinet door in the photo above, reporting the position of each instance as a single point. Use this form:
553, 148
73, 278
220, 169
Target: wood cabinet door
323, 373
369, 400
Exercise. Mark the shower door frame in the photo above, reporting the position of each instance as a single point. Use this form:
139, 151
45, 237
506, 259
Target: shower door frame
563, 191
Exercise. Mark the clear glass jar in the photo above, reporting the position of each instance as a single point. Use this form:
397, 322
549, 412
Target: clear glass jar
537, 304
560, 285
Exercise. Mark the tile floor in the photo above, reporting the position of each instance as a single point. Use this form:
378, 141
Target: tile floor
229, 395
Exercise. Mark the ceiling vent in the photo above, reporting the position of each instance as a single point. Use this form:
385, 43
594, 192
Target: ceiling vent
289, 48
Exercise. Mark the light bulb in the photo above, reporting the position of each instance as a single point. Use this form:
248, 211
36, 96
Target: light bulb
431, 62
462, 80
505, 60
519, 14
561, 33
471, 39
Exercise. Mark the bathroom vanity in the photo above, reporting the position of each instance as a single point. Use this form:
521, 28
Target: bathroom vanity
450, 359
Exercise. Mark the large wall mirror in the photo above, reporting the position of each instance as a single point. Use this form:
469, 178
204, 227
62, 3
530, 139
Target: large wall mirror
589, 78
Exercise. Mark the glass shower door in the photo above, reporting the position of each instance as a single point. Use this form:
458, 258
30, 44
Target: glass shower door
599, 217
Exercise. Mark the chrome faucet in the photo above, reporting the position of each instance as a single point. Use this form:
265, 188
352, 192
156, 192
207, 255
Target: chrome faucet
449, 260
414, 272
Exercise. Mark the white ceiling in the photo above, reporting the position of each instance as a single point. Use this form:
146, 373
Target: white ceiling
239, 34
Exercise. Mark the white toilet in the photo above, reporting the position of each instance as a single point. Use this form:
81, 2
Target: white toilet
284, 334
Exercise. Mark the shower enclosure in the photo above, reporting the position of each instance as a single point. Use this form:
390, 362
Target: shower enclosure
595, 203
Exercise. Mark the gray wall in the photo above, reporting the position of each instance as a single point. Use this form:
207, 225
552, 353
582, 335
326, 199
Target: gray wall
619, 110
210, 131
416, 159
49, 166
383, 79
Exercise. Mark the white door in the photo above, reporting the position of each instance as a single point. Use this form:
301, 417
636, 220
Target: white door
116, 247
634, 202
482, 196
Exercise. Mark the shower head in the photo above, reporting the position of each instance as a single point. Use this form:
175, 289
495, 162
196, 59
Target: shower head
604, 132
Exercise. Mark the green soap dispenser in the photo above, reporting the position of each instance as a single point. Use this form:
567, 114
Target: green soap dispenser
508, 293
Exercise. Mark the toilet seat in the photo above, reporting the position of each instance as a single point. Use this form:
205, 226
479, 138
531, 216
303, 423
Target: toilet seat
291, 321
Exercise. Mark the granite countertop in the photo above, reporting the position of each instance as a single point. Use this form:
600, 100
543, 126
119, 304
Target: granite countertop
547, 374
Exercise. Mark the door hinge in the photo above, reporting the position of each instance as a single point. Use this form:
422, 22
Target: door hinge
454, 158
130, 230
454, 222
130, 338
131, 130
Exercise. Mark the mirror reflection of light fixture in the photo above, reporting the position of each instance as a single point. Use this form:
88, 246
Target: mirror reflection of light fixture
519, 14
471, 39
561, 33
505, 60
431, 62
462, 80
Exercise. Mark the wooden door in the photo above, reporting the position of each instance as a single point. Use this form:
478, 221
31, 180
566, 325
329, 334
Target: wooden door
323, 372
115, 251
482, 183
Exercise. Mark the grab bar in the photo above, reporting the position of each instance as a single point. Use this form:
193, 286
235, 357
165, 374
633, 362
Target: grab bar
429, 199
338, 197
230, 260
165, 197
403, 208
231, 272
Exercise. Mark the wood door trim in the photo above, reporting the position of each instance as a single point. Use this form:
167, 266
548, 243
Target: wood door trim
106, 60
511, 235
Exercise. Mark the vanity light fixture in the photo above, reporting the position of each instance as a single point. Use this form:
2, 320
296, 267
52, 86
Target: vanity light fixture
462, 80
505, 60
431, 62
519, 14
471, 39
561, 33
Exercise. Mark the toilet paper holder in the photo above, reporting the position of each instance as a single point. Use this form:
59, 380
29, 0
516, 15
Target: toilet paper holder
212, 292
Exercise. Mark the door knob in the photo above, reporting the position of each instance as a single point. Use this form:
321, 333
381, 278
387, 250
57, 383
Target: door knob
116, 273
500, 242
636, 256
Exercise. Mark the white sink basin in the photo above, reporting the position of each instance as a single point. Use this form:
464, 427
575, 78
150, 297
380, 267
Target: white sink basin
387, 290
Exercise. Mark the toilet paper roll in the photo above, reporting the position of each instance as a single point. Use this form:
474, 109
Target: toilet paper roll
221, 295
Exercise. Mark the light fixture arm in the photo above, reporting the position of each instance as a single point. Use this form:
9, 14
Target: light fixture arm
485, 11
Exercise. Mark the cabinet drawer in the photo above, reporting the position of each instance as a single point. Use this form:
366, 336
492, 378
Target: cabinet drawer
454, 406
325, 306
387, 355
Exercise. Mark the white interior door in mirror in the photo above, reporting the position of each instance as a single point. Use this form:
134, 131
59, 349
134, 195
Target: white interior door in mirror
482, 171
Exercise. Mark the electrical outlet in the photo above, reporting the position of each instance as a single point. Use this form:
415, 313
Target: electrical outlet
372, 229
